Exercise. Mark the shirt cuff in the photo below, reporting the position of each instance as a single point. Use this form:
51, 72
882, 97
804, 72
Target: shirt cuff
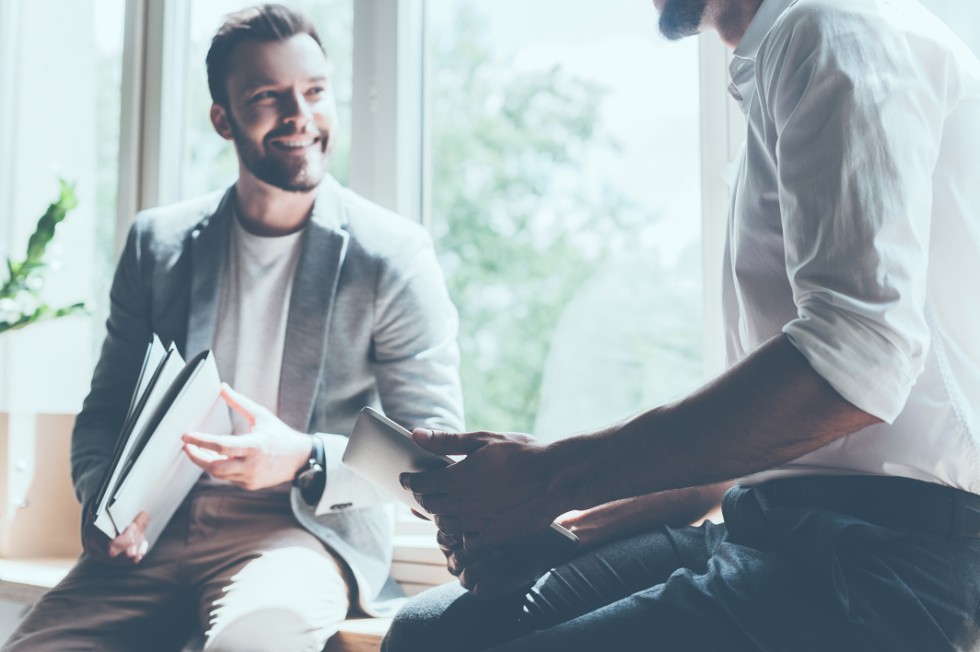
345, 489
862, 365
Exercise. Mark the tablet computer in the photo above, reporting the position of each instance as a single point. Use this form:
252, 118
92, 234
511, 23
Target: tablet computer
381, 450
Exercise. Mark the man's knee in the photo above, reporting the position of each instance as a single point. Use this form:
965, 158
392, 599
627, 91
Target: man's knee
408, 629
269, 630
420, 624
449, 619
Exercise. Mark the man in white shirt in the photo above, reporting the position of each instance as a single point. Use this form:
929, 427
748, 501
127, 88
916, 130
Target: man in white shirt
315, 303
850, 410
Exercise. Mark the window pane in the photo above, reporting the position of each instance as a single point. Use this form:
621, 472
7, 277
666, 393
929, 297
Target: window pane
209, 161
565, 203
66, 124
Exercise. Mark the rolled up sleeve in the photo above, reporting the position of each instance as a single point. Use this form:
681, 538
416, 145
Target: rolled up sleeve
857, 139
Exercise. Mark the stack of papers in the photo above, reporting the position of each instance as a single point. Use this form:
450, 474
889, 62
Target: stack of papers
149, 471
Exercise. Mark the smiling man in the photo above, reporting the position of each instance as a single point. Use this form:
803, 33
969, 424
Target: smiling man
848, 418
315, 303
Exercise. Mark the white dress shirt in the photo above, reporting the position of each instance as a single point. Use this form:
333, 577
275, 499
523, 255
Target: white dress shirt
855, 225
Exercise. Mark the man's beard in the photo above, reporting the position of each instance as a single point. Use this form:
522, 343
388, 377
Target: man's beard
302, 176
681, 18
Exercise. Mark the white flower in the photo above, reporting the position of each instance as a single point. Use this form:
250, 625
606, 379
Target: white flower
9, 310
26, 302
34, 282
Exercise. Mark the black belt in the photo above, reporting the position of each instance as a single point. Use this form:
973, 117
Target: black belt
899, 503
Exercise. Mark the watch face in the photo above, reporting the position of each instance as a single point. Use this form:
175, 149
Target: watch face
311, 483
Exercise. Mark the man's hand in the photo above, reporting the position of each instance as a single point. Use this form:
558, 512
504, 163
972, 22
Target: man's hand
130, 546
624, 518
270, 452
485, 575
501, 490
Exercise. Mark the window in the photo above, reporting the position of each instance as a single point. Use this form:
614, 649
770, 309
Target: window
565, 203
60, 69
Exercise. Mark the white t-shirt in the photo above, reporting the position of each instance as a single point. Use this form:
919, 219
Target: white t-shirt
855, 225
254, 306
251, 329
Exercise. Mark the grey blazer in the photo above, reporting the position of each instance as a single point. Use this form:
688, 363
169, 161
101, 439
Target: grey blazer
370, 323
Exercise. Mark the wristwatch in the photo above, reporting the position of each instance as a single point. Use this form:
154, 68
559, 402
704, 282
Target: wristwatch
311, 478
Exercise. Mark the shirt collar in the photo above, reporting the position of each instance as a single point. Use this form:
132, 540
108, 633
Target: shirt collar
742, 68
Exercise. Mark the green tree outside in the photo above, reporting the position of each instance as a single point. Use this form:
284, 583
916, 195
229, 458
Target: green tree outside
517, 231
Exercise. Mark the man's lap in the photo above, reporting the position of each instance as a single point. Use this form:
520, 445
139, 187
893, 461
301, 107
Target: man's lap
236, 566
772, 580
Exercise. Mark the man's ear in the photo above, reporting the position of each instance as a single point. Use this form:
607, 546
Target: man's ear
219, 118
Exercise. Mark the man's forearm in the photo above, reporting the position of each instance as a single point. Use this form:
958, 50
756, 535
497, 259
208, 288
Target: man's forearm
769, 409
629, 516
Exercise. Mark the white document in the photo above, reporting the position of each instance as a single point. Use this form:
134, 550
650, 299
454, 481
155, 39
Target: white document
160, 368
162, 474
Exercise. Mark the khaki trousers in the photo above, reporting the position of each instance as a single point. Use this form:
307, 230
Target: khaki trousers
233, 566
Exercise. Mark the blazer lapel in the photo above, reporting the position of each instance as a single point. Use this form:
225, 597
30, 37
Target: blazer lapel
209, 252
310, 306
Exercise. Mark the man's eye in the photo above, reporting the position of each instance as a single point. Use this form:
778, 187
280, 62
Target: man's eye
316, 91
264, 95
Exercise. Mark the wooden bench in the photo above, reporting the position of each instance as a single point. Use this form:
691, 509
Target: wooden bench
359, 635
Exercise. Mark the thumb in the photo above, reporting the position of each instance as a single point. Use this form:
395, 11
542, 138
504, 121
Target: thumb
241, 404
448, 443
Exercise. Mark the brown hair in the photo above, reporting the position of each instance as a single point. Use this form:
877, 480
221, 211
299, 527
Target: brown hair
268, 22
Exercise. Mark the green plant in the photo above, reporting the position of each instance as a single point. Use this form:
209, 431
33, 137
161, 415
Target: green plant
20, 295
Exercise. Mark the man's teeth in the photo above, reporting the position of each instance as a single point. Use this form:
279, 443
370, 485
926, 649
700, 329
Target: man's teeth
296, 143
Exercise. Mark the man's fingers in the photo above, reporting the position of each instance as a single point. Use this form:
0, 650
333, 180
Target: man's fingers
223, 468
448, 443
141, 551
472, 573
227, 445
435, 503
243, 405
194, 454
140, 522
448, 540
449, 524
436, 481
476, 542
131, 540
204, 458
420, 515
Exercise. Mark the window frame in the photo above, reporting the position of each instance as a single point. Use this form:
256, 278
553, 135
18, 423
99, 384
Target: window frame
722, 135
9, 42
153, 83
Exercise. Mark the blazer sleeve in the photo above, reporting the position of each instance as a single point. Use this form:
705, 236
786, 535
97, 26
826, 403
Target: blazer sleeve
104, 409
415, 359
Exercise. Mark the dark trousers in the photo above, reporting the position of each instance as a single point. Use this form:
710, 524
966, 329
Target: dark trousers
780, 575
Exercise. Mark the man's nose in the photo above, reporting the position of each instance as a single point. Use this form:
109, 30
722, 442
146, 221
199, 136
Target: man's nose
297, 110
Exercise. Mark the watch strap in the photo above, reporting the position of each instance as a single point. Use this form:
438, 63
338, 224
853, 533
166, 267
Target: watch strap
311, 479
